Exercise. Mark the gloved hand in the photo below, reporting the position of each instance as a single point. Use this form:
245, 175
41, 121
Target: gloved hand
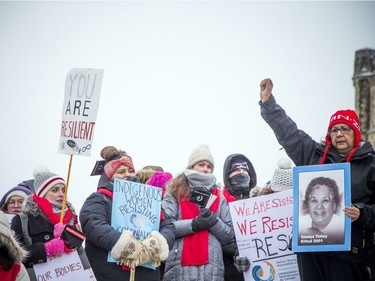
54, 247
241, 263
154, 249
58, 229
127, 250
204, 220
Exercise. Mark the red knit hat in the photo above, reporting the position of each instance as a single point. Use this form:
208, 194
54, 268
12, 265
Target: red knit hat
111, 167
348, 117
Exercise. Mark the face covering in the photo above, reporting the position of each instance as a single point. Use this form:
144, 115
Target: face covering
240, 183
195, 179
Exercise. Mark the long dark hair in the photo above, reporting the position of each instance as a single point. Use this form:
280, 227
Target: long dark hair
6, 261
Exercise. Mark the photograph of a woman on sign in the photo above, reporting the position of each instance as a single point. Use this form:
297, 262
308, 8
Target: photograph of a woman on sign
321, 220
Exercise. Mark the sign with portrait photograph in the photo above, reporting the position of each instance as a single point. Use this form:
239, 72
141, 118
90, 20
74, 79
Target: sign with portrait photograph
320, 193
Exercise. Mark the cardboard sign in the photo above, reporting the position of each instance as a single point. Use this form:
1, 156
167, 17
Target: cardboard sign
263, 230
135, 207
67, 267
80, 108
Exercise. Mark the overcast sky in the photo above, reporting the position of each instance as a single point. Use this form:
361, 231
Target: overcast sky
176, 74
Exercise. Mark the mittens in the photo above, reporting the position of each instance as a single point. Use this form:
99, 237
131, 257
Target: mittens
127, 250
58, 229
154, 249
54, 247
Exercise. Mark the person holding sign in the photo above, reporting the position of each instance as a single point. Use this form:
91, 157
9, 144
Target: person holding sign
342, 144
203, 224
102, 238
39, 229
239, 178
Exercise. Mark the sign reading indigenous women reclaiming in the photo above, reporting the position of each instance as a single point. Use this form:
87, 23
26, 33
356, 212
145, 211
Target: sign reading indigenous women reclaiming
80, 108
135, 207
263, 227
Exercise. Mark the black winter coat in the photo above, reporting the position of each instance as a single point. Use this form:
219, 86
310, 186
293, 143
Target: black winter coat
95, 218
303, 150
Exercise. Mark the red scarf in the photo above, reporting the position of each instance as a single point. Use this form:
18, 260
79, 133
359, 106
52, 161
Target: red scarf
11, 274
46, 207
229, 197
195, 246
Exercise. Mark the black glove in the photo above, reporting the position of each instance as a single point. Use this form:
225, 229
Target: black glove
241, 263
204, 220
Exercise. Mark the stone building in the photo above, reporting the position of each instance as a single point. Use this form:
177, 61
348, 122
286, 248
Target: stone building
364, 84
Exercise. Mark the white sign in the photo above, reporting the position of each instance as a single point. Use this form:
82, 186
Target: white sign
80, 108
263, 229
67, 267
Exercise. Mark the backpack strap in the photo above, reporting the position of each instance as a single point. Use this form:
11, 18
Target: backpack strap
25, 229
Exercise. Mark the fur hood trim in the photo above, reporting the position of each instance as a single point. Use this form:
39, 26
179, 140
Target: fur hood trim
16, 252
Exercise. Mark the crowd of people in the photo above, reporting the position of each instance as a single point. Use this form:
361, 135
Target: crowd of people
194, 241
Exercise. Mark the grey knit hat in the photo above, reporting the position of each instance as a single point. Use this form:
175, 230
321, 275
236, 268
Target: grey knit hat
45, 180
283, 177
200, 153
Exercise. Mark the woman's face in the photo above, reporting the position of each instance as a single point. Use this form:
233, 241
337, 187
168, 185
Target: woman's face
56, 193
321, 206
14, 205
123, 172
203, 167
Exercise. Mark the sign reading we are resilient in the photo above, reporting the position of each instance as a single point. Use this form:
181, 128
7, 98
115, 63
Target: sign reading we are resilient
263, 229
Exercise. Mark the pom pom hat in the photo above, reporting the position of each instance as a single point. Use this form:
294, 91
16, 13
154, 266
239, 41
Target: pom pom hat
283, 176
200, 153
45, 180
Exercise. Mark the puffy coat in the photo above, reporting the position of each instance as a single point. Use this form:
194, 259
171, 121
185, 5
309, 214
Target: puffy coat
303, 150
220, 234
95, 218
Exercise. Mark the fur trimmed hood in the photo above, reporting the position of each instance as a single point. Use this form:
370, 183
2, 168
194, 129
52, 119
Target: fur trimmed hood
16, 252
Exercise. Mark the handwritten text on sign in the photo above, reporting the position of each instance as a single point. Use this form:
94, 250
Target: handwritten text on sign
65, 268
263, 227
81, 102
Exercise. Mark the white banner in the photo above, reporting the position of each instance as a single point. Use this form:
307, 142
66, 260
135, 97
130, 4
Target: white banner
80, 108
263, 229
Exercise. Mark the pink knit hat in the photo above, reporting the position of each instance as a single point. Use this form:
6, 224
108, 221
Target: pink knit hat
159, 179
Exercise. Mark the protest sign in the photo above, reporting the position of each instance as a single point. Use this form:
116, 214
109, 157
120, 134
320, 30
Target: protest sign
80, 108
67, 267
135, 207
263, 227
320, 194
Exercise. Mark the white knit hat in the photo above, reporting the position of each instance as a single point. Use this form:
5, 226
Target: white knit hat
283, 177
200, 153
45, 180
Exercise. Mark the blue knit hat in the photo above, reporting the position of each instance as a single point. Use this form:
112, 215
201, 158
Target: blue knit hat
17, 190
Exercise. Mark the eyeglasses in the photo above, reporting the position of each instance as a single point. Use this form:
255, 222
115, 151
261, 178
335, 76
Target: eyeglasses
12, 203
344, 130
